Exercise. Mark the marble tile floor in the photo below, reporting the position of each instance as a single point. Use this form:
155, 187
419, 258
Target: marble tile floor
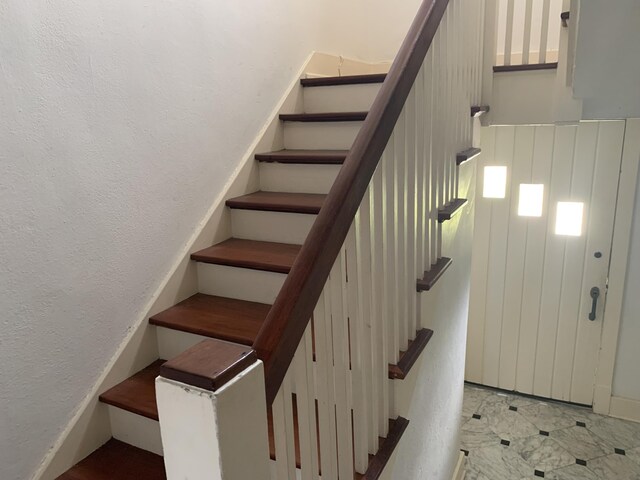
513, 437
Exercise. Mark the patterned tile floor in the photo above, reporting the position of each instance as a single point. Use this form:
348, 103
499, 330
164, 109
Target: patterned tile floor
512, 437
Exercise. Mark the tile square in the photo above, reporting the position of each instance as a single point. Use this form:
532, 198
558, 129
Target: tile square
582, 414
496, 463
510, 425
542, 453
477, 434
617, 433
547, 416
618, 467
581, 443
572, 472
473, 397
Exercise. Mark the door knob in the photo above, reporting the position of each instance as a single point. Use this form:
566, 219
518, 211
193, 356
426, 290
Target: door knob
595, 293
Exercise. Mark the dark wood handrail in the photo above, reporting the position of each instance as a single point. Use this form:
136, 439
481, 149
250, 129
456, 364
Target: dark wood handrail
285, 324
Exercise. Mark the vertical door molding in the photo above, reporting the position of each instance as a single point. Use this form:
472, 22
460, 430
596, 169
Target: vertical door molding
618, 267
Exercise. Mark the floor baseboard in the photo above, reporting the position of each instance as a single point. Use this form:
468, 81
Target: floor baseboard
625, 408
458, 472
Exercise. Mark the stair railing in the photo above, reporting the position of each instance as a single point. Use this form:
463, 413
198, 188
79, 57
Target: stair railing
524, 34
349, 305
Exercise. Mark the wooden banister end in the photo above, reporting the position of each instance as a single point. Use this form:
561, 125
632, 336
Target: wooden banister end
210, 364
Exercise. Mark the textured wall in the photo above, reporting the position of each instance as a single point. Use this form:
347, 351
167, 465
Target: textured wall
121, 123
607, 59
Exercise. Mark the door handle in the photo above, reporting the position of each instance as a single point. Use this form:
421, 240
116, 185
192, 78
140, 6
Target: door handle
595, 293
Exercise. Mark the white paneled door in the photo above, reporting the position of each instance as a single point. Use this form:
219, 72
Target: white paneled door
541, 257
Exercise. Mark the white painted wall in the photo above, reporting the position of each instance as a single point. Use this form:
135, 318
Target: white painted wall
431, 395
370, 30
121, 123
626, 381
607, 60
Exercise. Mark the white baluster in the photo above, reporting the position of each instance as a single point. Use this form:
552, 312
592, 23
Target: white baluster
360, 357
378, 301
542, 58
509, 33
363, 258
340, 340
526, 40
306, 407
283, 431
325, 382
389, 249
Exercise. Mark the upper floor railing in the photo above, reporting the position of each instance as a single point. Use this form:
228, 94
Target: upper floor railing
527, 32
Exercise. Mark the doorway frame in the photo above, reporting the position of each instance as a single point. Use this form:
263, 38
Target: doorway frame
603, 400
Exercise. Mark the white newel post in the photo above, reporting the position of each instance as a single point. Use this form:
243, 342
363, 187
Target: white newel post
213, 414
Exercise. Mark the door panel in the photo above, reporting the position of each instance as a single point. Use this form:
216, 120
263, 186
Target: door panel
528, 325
533, 268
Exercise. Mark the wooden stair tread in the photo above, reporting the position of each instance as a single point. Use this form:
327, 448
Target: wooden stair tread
324, 117
116, 460
525, 68
430, 278
307, 157
227, 319
409, 357
378, 462
450, 209
345, 80
136, 394
253, 254
467, 155
239, 321
310, 203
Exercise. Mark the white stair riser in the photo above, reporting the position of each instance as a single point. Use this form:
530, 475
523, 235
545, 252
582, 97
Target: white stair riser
320, 135
136, 430
240, 283
340, 98
172, 343
280, 177
271, 226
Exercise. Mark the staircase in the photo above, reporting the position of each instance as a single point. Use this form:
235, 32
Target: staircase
241, 276
366, 330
